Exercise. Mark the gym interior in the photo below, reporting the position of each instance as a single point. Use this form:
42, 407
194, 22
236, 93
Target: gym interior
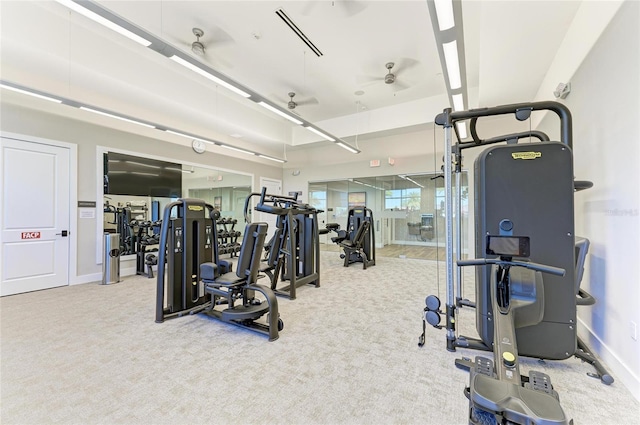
227, 212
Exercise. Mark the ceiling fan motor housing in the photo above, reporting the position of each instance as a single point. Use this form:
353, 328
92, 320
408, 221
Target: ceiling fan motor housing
389, 78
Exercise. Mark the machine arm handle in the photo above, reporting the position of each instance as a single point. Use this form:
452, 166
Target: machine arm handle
542, 268
476, 262
532, 266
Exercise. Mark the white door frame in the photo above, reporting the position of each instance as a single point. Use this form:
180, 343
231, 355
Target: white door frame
73, 196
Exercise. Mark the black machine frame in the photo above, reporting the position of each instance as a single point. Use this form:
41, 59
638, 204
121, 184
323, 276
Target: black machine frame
198, 281
574, 346
294, 250
358, 241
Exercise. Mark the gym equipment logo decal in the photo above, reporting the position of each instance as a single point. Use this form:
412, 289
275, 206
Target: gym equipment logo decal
526, 155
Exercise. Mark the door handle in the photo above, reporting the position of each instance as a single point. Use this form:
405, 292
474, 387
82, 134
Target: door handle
64, 233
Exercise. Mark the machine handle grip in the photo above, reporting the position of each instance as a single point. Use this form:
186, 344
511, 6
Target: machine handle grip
532, 266
475, 262
543, 268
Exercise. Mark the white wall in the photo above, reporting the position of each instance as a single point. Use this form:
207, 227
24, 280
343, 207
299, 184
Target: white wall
605, 104
88, 137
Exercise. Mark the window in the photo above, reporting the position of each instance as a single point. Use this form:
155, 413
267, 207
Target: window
318, 199
402, 199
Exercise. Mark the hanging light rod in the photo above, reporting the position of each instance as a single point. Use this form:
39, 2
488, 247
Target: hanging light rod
126, 118
103, 16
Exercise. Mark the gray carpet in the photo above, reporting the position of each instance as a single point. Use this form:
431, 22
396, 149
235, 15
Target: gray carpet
92, 354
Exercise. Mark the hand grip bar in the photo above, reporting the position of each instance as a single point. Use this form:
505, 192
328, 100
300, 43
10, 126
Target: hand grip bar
532, 266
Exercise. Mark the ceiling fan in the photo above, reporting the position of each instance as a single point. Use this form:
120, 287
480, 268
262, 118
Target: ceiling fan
202, 45
391, 78
292, 104
197, 47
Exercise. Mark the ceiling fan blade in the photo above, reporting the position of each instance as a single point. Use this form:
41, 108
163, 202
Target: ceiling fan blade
310, 101
352, 7
367, 79
216, 36
404, 64
308, 7
399, 85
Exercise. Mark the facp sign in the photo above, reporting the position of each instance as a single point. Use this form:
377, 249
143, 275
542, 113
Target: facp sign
30, 235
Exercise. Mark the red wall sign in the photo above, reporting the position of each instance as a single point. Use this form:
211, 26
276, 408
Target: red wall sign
30, 235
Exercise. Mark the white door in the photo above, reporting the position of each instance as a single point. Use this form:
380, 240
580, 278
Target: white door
274, 187
35, 220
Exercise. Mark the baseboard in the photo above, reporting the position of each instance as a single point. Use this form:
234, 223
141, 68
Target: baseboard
97, 277
618, 368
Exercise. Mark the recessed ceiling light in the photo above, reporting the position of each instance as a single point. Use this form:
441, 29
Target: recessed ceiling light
359, 93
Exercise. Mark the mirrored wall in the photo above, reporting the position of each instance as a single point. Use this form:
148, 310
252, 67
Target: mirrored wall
408, 211
137, 189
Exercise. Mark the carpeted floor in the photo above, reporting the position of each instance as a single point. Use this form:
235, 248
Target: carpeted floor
92, 354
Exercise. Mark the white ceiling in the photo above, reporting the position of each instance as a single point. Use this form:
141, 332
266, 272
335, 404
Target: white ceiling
509, 47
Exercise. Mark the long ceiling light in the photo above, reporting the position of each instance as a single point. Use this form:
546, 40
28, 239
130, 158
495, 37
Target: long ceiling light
458, 102
453, 65
112, 115
444, 10
320, 133
177, 133
208, 75
7, 86
272, 158
82, 9
279, 112
68, 102
233, 148
93, 10
462, 129
446, 20
347, 147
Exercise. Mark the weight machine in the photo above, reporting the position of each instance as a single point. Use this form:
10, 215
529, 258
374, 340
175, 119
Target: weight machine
192, 278
294, 250
533, 184
358, 241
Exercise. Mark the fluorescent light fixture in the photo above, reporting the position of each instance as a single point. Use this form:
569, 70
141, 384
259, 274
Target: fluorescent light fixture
177, 133
453, 65
233, 148
462, 129
30, 93
279, 112
444, 10
271, 158
458, 102
106, 114
320, 133
347, 147
104, 21
210, 76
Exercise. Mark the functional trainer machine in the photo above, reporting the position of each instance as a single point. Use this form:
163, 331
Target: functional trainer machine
192, 278
358, 241
294, 250
533, 185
